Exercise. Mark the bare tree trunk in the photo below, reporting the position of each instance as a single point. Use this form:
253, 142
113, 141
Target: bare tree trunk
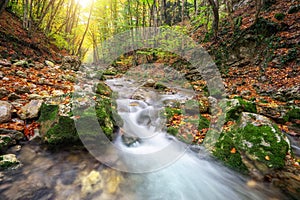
79, 51
229, 7
215, 7
258, 5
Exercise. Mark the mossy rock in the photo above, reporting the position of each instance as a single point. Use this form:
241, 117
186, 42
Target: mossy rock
103, 89
203, 122
64, 132
5, 142
223, 151
172, 130
234, 107
254, 143
9, 161
292, 114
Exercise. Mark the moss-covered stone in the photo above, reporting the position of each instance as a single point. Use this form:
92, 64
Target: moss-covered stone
294, 113
172, 130
254, 143
224, 152
203, 122
9, 161
64, 132
5, 142
103, 89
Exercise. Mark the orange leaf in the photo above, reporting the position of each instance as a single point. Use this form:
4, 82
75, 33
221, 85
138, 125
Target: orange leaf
233, 150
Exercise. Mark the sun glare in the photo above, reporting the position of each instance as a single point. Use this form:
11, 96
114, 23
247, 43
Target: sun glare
84, 3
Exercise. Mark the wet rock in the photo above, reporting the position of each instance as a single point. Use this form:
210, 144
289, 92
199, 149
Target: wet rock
130, 140
9, 138
3, 92
91, 183
5, 111
9, 161
31, 110
149, 83
13, 96
22, 90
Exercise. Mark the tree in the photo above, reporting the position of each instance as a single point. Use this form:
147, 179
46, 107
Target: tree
215, 8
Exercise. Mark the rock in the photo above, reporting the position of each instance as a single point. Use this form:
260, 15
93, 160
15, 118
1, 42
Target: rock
9, 161
22, 90
34, 96
71, 62
1, 75
56, 93
3, 92
103, 89
31, 110
130, 140
149, 83
273, 111
91, 183
255, 145
49, 63
5, 111
21, 74
55, 129
9, 138
160, 86
22, 63
13, 96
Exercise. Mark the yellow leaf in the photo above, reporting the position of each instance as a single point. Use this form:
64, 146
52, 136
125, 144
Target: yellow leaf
267, 157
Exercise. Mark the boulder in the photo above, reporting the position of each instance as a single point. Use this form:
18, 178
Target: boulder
9, 161
31, 110
5, 111
255, 145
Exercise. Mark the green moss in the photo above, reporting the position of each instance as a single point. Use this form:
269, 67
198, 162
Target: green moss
203, 122
107, 72
172, 130
160, 86
247, 106
5, 141
279, 16
48, 112
64, 132
294, 113
264, 143
170, 112
103, 89
223, 152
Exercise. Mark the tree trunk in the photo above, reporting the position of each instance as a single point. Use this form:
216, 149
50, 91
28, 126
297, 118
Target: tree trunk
79, 51
215, 8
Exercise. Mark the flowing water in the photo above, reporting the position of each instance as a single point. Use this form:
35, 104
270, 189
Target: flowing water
183, 175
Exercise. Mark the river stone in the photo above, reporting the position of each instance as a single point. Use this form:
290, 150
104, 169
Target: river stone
9, 161
31, 110
5, 111
149, 83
